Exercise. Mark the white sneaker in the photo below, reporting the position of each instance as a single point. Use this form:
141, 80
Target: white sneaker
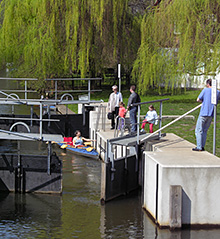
142, 131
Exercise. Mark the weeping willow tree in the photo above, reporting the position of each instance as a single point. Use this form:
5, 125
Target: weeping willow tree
62, 38
178, 39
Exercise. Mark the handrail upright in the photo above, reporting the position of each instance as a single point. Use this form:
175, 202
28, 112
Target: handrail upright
160, 117
138, 119
165, 126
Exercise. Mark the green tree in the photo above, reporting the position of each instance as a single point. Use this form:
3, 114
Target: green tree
62, 38
178, 38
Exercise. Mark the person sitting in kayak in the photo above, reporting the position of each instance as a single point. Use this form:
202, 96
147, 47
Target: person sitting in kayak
78, 140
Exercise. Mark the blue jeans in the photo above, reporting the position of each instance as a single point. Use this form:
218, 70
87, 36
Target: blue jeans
133, 119
202, 127
121, 123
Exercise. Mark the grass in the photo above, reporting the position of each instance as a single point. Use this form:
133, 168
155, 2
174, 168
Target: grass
176, 105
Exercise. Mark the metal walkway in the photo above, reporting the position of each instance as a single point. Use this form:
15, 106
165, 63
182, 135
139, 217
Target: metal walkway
30, 136
131, 140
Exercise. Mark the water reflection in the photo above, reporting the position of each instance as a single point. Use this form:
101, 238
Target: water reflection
26, 147
28, 215
77, 213
122, 218
125, 218
81, 190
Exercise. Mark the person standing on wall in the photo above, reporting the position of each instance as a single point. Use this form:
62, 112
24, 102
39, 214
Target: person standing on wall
134, 98
205, 117
113, 104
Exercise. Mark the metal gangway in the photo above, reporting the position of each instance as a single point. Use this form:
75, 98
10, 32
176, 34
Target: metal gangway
136, 139
123, 173
66, 98
11, 97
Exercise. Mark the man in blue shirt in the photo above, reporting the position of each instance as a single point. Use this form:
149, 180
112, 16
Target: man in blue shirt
205, 116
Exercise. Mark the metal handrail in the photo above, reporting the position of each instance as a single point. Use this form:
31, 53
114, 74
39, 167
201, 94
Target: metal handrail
22, 91
165, 126
148, 102
118, 121
13, 94
29, 119
160, 114
20, 123
101, 110
73, 91
73, 79
8, 96
20, 79
61, 99
20, 135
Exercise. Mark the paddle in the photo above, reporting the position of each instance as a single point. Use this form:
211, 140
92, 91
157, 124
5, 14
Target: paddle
65, 145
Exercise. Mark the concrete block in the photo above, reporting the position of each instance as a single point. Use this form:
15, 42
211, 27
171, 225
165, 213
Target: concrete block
174, 163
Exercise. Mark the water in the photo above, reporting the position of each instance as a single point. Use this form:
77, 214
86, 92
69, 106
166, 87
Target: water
77, 213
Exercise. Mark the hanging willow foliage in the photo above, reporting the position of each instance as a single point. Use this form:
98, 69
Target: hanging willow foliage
178, 38
62, 38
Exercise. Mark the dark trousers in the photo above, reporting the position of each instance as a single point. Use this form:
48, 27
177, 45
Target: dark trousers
114, 115
133, 119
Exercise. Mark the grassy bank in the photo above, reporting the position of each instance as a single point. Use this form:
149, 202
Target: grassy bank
176, 105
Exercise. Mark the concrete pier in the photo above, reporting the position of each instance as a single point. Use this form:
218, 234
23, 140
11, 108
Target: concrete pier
171, 163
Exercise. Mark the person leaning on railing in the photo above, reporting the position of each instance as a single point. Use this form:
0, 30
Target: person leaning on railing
205, 116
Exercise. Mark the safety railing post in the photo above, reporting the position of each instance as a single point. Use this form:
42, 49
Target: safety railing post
89, 88
160, 120
55, 89
102, 112
25, 85
66, 105
41, 123
138, 123
49, 158
104, 117
32, 112
214, 129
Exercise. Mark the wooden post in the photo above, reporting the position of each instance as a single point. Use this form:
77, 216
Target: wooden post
175, 207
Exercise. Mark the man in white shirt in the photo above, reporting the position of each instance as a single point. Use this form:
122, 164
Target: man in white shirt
113, 104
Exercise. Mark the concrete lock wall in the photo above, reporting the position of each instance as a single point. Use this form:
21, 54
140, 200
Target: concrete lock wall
197, 173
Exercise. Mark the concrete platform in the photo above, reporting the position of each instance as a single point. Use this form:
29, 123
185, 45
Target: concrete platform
108, 134
102, 141
198, 173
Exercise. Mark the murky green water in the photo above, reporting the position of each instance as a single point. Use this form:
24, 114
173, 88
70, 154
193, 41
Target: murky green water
77, 213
